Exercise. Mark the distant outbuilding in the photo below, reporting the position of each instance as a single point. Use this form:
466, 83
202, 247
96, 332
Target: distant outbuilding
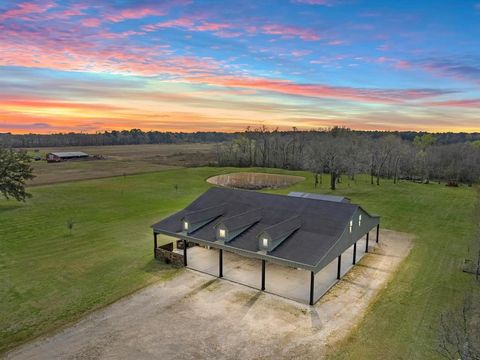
63, 156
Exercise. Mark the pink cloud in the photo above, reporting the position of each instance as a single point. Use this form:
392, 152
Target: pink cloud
129, 14
336, 42
300, 53
72, 10
402, 65
91, 22
192, 24
77, 48
23, 10
209, 26
290, 32
386, 96
181, 22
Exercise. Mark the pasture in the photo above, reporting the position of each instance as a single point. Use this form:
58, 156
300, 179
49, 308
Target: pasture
51, 275
120, 160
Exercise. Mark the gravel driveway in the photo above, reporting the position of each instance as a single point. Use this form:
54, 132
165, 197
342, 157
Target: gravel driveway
196, 316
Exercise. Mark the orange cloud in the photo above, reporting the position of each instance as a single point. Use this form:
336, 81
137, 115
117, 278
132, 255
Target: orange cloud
470, 103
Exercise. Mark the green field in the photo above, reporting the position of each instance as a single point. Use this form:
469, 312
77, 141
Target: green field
50, 276
118, 160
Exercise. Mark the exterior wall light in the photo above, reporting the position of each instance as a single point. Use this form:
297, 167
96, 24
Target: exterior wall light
265, 242
351, 226
221, 233
185, 225
360, 220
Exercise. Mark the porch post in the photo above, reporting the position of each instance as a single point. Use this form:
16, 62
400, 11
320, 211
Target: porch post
185, 253
263, 274
378, 231
339, 266
366, 244
220, 262
312, 286
354, 253
154, 244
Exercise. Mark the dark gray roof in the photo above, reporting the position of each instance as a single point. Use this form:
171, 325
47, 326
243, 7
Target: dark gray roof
242, 220
319, 196
284, 228
322, 222
212, 212
70, 154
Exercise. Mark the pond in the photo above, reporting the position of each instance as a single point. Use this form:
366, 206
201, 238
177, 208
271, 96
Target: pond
254, 181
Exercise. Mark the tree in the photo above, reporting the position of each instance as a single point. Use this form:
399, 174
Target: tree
424, 157
15, 170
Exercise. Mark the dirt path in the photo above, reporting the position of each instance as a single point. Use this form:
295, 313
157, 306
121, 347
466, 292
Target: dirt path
195, 316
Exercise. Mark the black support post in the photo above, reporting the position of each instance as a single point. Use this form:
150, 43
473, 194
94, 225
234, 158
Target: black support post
366, 244
339, 266
263, 274
378, 232
220, 262
354, 253
184, 252
154, 244
312, 286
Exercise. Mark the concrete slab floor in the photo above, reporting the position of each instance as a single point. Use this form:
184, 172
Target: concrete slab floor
280, 280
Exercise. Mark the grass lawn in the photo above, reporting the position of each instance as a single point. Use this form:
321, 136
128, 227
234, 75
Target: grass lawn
50, 276
403, 323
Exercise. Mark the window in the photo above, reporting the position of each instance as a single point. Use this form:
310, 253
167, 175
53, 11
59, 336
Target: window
351, 225
221, 233
265, 242
185, 225
360, 220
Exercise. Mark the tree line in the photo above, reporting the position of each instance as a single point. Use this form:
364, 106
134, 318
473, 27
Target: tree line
343, 152
137, 136
124, 137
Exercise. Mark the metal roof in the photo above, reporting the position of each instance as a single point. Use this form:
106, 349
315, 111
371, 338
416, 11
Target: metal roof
204, 214
283, 228
242, 220
322, 222
319, 196
70, 154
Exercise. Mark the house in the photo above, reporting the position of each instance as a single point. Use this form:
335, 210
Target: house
289, 232
63, 156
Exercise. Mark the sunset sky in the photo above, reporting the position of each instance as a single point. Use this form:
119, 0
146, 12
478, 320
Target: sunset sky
188, 65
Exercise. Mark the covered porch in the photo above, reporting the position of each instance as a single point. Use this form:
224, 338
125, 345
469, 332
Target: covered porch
295, 283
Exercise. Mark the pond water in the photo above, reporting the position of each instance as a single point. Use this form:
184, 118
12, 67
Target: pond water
254, 181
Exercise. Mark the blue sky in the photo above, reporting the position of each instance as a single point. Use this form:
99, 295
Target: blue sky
189, 65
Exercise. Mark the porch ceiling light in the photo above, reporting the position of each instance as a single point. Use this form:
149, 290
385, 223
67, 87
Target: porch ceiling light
185, 225
265, 242
221, 233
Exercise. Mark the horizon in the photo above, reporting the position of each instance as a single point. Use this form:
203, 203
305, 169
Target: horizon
100, 132
206, 66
